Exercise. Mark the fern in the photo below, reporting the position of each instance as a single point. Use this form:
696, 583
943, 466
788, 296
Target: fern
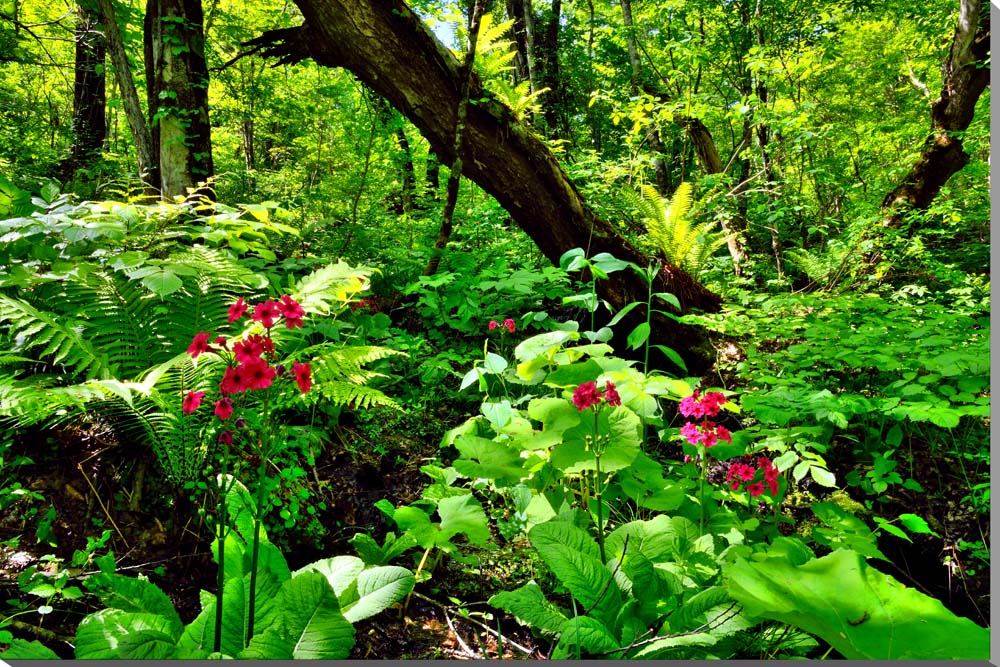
331, 287
339, 374
58, 342
670, 229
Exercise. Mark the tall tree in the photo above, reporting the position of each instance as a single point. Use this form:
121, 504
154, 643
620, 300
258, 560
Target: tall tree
148, 172
177, 76
966, 75
386, 45
89, 126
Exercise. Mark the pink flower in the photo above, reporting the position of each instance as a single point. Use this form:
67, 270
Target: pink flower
192, 401
303, 376
226, 437
224, 408
236, 310
291, 311
755, 489
690, 431
234, 380
199, 345
509, 324
252, 348
221, 340
723, 433
258, 374
699, 406
265, 313
492, 325
611, 394
586, 395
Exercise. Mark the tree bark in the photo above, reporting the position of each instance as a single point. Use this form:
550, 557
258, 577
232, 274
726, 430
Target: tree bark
89, 126
966, 75
130, 98
178, 81
386, 45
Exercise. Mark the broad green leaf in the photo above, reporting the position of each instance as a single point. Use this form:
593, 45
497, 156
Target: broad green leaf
862, 613
135, 595
572, 556
147, 645
588, 635
488, 459
378, 588
529, 605
312, 625
21, 649
574, 375
163, 282
368, 549
99, 634
462, 514
341, 573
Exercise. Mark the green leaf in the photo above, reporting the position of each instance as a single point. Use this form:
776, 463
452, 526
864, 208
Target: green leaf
162, 282
462, 514
529, 605
822, 476
368, 549
638, 336
915, 524
589, 634
312, 625
891, 529
378, 588
147, 645
572, 556
862, 613
672, 356
99, 635
21, 649
488, 459
131, 594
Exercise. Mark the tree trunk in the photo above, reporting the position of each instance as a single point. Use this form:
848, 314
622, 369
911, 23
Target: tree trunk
519, 11
89, 126
148, 172
966, 75
388, 47
178, 91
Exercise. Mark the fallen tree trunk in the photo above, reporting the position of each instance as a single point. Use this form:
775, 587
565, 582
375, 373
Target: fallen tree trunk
387, 46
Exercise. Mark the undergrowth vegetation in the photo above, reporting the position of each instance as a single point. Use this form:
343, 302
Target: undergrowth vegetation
664, 516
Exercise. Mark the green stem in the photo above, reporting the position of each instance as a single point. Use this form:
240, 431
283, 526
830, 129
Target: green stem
598, 492
265, 451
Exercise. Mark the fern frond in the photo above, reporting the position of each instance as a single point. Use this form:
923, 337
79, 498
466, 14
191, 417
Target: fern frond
331, 287
670, 228
816, 267
347, 393
61, 342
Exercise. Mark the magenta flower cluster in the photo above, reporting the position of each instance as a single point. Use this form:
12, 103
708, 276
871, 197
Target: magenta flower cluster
740, 473
507, 324
587, 395
702, 407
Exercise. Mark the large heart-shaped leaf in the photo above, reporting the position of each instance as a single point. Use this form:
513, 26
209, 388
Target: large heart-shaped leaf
862, 613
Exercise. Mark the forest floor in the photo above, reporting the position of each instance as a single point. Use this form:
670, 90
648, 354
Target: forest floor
87, 477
